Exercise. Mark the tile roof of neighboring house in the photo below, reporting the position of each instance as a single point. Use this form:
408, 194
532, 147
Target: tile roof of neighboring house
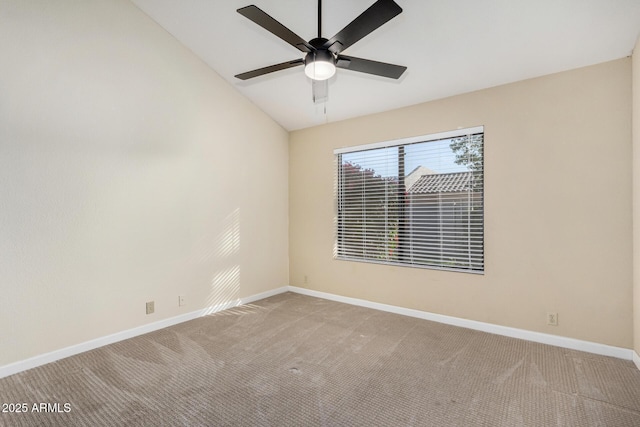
415, 175
441, 183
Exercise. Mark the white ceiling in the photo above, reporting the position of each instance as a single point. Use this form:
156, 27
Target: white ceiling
449, 46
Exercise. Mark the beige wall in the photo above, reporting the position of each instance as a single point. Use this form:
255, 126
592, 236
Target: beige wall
636, 195
129, 172
558, 206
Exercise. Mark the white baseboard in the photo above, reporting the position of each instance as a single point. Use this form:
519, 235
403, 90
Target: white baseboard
555, 340
263, 295
23, 365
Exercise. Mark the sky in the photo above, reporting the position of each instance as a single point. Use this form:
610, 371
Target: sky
435, 155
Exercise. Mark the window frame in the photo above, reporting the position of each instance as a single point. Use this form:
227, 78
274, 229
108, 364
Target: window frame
461, 132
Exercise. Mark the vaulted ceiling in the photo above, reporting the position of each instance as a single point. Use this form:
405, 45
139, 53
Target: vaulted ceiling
449, 46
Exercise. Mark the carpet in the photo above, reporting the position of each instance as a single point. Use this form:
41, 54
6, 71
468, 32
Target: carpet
294, 360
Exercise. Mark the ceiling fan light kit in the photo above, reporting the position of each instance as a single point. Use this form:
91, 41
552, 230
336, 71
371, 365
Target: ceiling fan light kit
323, 55
320, 65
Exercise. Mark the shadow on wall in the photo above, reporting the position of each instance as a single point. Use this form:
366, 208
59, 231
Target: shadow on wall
225, 283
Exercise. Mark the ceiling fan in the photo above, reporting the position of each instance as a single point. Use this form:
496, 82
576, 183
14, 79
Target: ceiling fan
323, 56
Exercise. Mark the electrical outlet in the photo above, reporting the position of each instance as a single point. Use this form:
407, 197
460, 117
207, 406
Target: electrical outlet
151, 307
181, 300
552, 319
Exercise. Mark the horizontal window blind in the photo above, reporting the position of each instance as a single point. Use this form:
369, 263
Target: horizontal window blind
416, 202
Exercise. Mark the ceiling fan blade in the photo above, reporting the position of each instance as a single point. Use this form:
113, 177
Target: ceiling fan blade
377, 15
370, 67
261, 18
269, 69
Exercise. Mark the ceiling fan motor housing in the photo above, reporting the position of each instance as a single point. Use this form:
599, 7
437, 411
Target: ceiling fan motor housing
321, 63
321, 53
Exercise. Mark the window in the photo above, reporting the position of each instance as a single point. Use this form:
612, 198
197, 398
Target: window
415, 202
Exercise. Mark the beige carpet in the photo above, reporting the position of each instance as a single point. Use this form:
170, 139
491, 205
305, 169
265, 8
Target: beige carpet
293, 360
